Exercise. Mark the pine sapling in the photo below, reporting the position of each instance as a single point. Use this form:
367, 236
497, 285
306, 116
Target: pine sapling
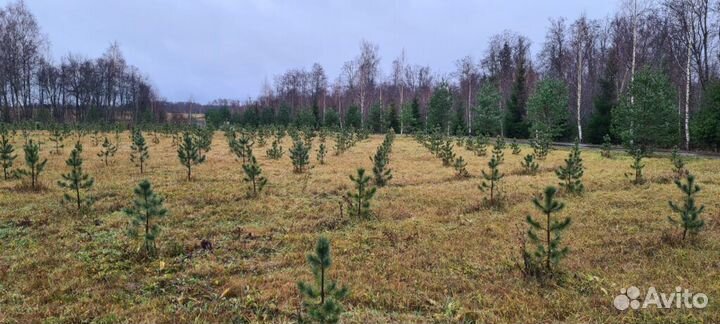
515, 147
33, 163
606, 146
107, 150
492, 181
359, 200
275, 152
460, 170
321, 152
380, 170
7, 158
546, 236
322, 300
57, 137
76, 181
299, 156
139, 151
480, 146
189, 154
571, 174
146, 209
689, 212
678, 164
242, 147
637, 167
253, 174
446, 153
529, 165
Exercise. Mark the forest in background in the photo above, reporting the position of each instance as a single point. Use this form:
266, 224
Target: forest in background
588, 65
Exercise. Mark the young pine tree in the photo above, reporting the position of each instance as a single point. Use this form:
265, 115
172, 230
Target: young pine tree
689, 212
57, 137
492, 180
545, 236
107, 150
299, 156
275, 152
480, 146
146, 209
33, 163
323, 299
321, 152
678, 164
7, 158
189, 153
529, 165
460, 170
571, 174
359, 200
76, 181
606, 145
253, 174
380, 170
139, 151
515, 147
446, 153
498, 150
637, 166
242, 147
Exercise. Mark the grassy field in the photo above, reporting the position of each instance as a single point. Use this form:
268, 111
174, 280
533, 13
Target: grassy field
433, 254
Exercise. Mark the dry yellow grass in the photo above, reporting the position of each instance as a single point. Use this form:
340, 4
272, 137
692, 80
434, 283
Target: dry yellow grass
431, 256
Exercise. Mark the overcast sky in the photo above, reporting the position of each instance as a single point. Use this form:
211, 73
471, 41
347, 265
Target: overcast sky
225, 48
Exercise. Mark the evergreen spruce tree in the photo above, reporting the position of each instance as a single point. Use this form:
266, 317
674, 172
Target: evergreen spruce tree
492, 181
139, 151
275, 152
488, 115
57, 137
322, 300
606, 145
637, 166
146, 209
689, 212
446, 153
380, 170
253, 174
515, 147
107, 151
529, 165
321, 152
189, 153
299, 156
76, 181
359, 200
548, 253
33, 163
571, 174
515, 123
7, 158
459, 166
678, 164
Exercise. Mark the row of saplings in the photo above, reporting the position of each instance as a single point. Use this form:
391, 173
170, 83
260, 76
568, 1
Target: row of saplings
147, 206
323, 298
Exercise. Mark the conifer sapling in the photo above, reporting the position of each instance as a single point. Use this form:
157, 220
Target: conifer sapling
146, 209
571, 174
492, 180
253, 174
322, 300
459, 166
546, 236
359, 200
33, 163
529, 165
189, 154
107, 150
139, 150
689, 212
299, 156
7, 158
321, 152
76, 181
